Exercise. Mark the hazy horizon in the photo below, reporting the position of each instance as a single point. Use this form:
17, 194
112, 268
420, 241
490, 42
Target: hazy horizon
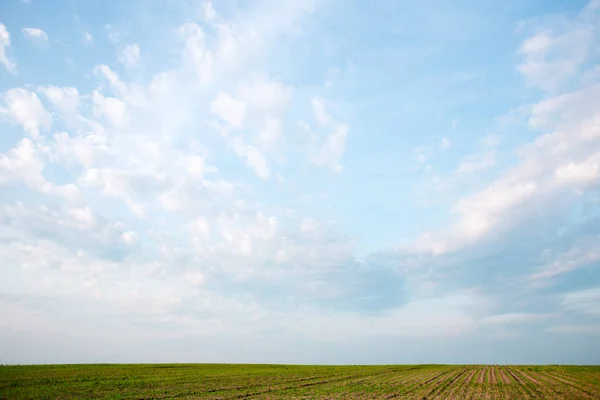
300, 182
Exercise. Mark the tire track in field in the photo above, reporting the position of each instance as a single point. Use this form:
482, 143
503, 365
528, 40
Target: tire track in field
432, 385
470, 376
415, 383
407, 383
472, 386
435, 377
440, 389
464, 382
477, 389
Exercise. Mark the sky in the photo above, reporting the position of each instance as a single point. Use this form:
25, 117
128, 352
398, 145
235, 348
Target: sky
300, 181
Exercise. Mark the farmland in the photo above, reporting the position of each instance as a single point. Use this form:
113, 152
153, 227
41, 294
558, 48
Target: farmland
224, 381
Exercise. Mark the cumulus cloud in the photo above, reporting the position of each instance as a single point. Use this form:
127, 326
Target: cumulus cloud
25, 108
208, 10
65, 99
146, 196
196, 54
252, 156
25, 162
229, 109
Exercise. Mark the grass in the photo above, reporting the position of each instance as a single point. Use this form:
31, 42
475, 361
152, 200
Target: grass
227, 381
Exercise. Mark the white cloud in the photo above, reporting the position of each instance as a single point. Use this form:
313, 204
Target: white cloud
84, 217
124, 184
264, 95
129, 237
36, 35
129, 56
195, 53
552, 58
105, 72
200, 229
586, 172
229, 109
328, 149
319, 111
269, 135
208, 10
114, 109
24, 162
253, 157
195, 277
25, 108
10, 65
562, 161
65, 99
82, 149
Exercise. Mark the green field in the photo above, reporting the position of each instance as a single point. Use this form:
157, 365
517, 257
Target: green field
223, 381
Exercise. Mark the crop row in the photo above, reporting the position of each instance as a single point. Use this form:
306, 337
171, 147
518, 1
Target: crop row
221, 381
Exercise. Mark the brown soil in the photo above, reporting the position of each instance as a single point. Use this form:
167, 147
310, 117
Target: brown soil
503, 376
515, 376
528, 376
481, 376
493, 379
470, 376
459, 385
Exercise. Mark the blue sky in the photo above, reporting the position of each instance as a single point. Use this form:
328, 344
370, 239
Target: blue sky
317, 181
